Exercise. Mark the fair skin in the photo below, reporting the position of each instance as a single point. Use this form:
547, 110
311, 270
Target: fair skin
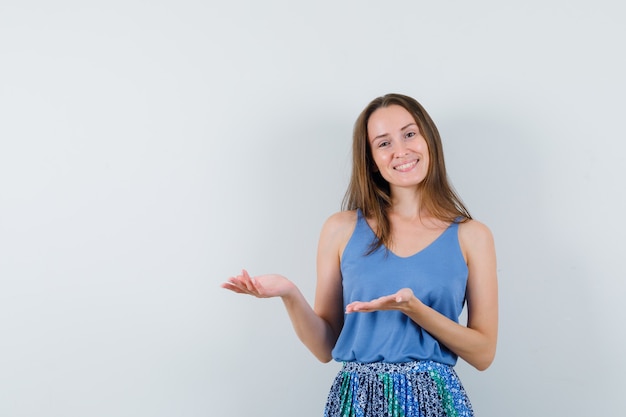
401, 156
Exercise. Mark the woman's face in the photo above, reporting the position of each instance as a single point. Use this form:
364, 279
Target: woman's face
399, 150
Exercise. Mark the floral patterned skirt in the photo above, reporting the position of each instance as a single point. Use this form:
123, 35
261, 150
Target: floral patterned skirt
412, 389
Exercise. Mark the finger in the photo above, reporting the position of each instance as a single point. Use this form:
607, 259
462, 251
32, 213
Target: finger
237, 282
360, 309
232, 287
350, 308
247, 281
257, 287
252, 280
403, 295
357, 306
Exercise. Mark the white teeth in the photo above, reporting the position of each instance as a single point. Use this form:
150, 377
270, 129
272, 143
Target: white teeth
406, 166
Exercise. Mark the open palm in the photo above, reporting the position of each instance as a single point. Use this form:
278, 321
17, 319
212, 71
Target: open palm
388, 302
261, 286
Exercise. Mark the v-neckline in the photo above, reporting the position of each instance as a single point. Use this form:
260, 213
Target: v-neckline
439, 236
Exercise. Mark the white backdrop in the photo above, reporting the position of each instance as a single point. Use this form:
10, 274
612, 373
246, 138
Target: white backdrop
149, 150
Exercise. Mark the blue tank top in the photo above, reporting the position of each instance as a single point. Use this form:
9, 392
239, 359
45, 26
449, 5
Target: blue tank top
437, 275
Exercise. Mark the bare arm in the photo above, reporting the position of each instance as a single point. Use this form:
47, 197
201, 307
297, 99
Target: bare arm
318, 328
476, 342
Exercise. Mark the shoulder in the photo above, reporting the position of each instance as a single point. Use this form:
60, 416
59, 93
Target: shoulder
342, 218
474, 229
474, 236
340, 223
339, 227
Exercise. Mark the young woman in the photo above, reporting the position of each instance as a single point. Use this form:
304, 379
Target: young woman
394, 270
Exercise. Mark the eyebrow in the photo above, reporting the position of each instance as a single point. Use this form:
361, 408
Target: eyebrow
387, 134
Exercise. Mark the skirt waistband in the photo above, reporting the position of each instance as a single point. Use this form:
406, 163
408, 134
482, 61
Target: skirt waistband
394, 368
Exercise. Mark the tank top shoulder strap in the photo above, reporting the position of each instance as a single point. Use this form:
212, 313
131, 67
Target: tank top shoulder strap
360, 239
361, 223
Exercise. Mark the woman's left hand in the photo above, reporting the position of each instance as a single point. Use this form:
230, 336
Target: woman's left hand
397, 301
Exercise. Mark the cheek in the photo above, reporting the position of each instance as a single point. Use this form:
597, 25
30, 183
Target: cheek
378, 168
381, 159
426, 167
378, 161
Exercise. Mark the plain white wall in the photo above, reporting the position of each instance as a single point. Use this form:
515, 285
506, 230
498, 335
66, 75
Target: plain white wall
149, 150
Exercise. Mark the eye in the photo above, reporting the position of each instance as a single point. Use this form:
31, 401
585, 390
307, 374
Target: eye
383, 144
409, 134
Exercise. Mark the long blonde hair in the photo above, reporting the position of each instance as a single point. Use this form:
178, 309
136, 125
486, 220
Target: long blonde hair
368, 190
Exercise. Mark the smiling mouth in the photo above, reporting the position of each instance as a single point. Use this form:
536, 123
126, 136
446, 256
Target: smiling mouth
406, 167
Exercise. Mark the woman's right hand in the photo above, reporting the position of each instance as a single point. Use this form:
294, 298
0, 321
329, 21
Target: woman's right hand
262, 286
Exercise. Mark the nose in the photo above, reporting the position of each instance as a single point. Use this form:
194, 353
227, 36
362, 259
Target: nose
401, 150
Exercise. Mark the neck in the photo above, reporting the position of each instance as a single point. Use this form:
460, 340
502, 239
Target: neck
406, 202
